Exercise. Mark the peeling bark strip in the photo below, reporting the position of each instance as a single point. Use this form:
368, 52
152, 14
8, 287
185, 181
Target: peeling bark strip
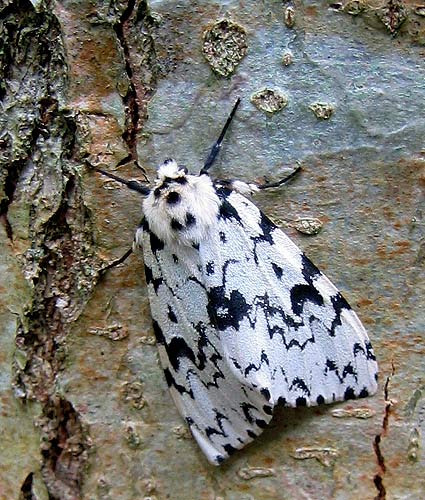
39, 141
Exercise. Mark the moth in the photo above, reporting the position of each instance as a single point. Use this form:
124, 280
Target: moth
243, 320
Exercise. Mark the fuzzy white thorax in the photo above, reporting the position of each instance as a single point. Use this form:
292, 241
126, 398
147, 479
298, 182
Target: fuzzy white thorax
181, 208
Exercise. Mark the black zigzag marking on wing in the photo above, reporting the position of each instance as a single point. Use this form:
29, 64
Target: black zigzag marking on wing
218, 430
229, 309
253, 367
298, 384
228, 211
339, 305
171, 382
150, 280
308, 269
158, 333
348, 369
369, 351
311, 273
267, 227
171, 315
247, 409
302, 293
177, 349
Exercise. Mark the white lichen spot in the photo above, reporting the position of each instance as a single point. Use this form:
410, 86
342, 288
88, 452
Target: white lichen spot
322, 110
132, 393
289, 17
224, 45
354, 7
308, 225
248, 473
269, 100
414, 446
392, 15
287, 58
61, 303
325, 456
114, 332
147, 340
361, 413
182, 432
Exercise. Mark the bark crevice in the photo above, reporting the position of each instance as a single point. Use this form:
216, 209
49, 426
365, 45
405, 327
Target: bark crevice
134, 32
378, 479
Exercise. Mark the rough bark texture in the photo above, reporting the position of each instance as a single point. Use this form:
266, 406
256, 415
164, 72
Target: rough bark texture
85, 412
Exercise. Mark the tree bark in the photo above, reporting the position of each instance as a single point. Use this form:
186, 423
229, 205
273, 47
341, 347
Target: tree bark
85, 411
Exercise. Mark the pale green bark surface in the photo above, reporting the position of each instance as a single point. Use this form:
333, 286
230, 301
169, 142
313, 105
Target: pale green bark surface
84, 409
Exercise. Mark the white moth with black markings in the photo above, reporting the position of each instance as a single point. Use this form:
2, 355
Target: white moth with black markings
243, 319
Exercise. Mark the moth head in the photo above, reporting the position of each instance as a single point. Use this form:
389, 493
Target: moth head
180, 207
170, 170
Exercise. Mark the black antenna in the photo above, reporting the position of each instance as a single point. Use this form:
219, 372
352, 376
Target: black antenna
282, 181
133, 185
216, 148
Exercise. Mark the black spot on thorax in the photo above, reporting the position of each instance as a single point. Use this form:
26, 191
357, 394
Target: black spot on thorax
176, 225
166, 182
190, 219
173, 197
